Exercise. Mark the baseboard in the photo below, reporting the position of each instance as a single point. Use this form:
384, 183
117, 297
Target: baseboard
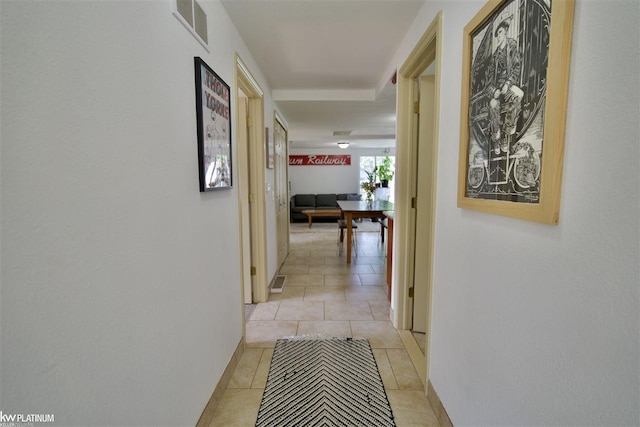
437, 406
214, 401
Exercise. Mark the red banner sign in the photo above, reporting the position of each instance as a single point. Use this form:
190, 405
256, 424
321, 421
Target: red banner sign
320, 160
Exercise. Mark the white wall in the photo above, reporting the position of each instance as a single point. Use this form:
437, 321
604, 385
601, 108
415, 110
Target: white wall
120, 281
535, 324
329, 179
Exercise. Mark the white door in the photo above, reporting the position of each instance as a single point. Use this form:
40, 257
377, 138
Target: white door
281, 164
425, 191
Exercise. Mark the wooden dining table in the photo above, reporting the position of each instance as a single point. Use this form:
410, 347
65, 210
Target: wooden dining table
361, 209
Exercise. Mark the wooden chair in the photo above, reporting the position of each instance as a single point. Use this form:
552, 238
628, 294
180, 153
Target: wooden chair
342, 228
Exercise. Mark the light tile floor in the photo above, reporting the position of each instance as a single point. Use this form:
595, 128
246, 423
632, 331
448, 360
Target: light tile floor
324, 295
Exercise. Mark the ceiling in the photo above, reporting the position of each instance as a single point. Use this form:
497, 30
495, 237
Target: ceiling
325, 61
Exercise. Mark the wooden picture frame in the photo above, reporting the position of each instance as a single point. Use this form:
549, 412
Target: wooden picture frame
213, 115
513, 110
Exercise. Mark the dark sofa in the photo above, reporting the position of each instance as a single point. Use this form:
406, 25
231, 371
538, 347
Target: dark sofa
301, 202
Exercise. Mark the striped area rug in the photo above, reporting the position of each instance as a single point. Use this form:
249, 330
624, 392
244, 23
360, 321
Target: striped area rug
324, 382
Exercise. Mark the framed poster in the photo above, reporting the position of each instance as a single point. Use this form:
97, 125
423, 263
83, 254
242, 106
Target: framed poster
213, 115
514, 90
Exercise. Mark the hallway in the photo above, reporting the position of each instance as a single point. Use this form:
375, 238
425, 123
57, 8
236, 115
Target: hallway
323, 295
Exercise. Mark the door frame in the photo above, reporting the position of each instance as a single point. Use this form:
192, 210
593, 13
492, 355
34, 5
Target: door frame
253, 158
428, 50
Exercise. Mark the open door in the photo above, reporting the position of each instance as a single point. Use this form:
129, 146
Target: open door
425, 190
244, 191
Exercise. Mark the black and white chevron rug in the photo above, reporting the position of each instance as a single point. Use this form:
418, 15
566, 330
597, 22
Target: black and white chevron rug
324, 382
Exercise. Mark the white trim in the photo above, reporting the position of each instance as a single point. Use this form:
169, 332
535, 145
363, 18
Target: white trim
248, 76
281, 120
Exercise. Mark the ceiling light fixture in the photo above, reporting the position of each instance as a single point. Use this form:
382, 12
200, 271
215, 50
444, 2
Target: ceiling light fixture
343, 144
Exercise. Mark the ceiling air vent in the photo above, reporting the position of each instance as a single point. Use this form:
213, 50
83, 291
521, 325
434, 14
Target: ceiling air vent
341, 132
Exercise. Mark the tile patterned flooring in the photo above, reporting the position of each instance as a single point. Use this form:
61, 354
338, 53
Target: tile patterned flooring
324, 295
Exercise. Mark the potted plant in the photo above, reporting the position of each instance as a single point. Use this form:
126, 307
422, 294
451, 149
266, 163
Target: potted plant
384, 171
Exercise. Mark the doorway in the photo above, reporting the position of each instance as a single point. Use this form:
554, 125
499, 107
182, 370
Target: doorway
416, 165
251, 194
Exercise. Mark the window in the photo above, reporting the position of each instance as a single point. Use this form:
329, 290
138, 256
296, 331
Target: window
369, 163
